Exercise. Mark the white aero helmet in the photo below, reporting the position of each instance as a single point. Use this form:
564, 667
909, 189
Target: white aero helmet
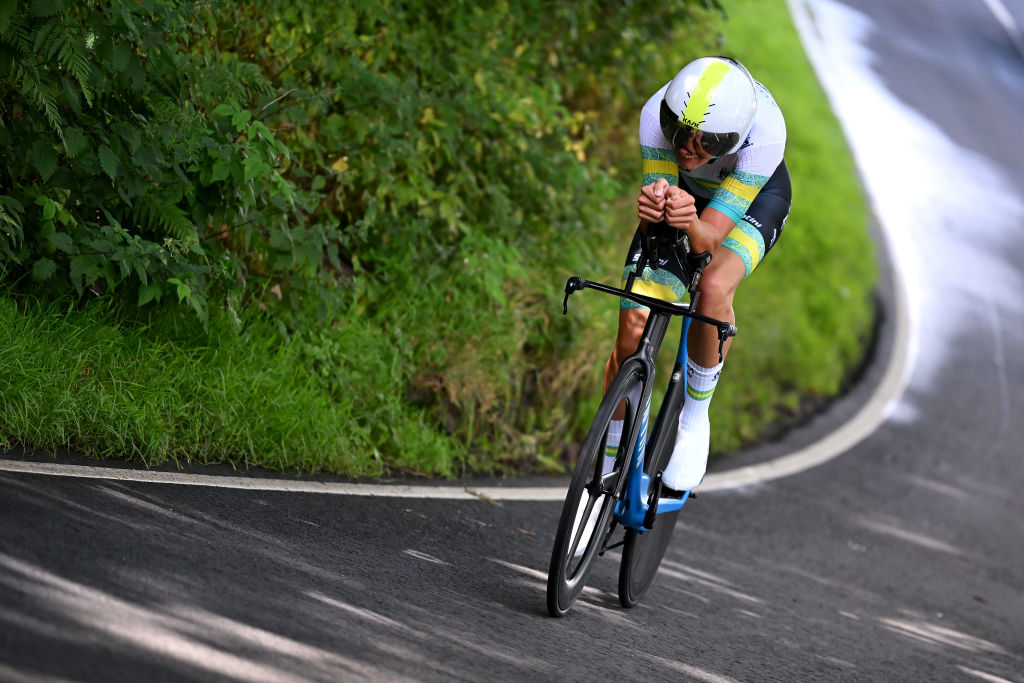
712, 99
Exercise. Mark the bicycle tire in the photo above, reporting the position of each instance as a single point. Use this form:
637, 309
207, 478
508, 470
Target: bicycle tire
643, 551
568, 570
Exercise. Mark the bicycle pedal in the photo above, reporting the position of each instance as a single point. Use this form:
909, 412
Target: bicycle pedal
652, 502
666, 492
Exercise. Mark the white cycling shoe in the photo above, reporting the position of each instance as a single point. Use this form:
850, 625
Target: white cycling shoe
689, 457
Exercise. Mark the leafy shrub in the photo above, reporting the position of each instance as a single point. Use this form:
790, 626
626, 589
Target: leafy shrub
135, 160
454, 145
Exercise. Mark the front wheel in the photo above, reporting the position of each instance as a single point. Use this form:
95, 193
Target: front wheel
585, 522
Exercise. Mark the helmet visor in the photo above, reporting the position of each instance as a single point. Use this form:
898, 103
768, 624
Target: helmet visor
683, 136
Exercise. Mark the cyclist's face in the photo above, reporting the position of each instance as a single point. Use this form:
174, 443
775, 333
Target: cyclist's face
692, 155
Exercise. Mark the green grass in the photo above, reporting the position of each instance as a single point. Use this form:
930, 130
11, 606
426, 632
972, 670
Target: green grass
433, 388
73, 379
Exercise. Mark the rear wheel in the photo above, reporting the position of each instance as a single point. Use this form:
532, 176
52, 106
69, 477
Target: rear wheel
642, 553
585, 522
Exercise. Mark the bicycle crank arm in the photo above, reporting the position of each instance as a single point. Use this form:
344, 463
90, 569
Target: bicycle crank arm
652, 505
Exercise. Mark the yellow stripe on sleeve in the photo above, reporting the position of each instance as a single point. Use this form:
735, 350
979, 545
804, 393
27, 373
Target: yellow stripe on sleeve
749, 244
740, 189
660, 167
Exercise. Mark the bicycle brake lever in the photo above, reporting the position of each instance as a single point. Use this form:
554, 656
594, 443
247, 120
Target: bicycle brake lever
573, 284
725, 330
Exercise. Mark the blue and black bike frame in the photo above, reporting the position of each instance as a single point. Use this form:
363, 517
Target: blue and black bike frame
639, 502
633, 510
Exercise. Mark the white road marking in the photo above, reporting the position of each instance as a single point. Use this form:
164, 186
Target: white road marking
1005, 19
287, 485
982, 675
424, 556
875, 411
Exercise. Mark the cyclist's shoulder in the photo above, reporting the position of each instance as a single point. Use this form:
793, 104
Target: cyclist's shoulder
652, 140
769, 126
764, 94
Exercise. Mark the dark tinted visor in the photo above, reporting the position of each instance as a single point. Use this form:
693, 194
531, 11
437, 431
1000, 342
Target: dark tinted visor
680, 135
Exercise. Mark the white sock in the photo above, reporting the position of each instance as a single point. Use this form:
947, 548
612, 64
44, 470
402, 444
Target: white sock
700, 386
611, 448
685, 470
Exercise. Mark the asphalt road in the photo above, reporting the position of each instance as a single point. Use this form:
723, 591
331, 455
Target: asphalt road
903, 559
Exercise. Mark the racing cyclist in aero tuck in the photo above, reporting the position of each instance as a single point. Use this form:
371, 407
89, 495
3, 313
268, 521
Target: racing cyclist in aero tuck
712, 142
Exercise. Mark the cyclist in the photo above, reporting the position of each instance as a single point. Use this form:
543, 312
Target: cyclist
712, 142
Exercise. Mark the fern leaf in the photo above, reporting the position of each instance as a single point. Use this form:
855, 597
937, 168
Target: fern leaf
68, 49
45, 97
161, 217
19, 36
41, 35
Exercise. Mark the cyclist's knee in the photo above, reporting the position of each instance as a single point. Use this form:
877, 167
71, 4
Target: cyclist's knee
631, 327
715, 292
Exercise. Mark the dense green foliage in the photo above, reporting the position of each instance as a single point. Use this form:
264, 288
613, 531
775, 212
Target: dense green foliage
369, 210
135, 160
458, 139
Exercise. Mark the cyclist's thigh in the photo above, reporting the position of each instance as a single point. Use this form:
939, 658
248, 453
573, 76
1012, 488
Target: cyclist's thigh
722, 277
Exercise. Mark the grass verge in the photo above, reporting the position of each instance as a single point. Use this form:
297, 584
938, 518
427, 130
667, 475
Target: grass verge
250, 396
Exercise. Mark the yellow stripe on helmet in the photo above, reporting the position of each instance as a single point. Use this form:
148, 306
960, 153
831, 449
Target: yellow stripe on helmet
700, 99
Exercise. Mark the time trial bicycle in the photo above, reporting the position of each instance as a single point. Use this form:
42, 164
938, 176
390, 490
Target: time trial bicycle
630, 494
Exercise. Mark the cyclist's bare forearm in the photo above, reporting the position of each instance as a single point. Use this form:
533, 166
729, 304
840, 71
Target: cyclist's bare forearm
708, 231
